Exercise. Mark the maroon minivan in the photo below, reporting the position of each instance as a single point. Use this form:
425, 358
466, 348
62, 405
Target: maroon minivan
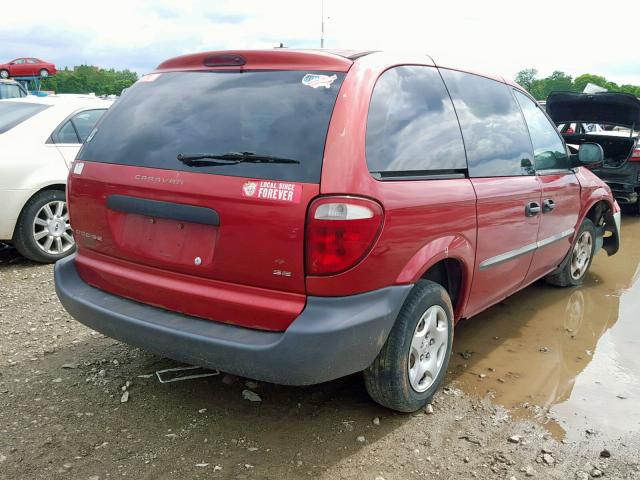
297, 216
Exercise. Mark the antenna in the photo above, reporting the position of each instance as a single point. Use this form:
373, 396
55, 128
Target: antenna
322, 24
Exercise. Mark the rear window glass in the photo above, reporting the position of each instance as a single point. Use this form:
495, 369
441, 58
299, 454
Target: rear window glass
282, 114
412, 126
495, 136
13, 113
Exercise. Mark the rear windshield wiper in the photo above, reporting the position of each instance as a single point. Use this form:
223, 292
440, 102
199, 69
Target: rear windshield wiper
230, 158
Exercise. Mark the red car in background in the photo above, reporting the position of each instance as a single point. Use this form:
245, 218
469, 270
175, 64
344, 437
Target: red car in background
27, 67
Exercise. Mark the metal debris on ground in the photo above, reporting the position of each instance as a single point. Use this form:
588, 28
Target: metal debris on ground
470, 439
251, 396
179, 374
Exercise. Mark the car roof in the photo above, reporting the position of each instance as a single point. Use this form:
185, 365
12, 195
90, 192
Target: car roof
65, 100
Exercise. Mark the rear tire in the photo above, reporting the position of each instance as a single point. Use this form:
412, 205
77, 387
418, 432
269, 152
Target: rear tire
4, 73
573, 271
413, 362
35, 226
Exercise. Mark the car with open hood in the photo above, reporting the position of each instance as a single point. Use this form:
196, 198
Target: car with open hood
295, 216
612, 120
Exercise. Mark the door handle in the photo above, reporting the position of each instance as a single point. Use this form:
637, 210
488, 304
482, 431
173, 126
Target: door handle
532, 209
548, 205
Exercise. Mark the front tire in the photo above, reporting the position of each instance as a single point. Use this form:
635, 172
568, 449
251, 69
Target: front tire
573, 272
43, 233
412, 364
44, 73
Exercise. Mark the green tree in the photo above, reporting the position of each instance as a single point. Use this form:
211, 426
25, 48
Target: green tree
540, 88
526, 78
632, 89
557, 81
582, 81
89, 79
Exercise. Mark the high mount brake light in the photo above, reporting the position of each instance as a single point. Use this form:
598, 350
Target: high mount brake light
340, 231
224, 60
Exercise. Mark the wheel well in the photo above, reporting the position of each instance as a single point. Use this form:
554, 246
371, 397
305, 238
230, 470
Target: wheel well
601, 214
597, 212
56, 186
447, 273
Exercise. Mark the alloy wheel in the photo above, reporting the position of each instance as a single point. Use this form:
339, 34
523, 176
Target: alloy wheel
51, 229
581, 255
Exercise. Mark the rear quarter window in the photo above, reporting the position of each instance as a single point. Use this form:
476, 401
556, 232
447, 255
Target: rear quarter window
495, 136
412, 126
271, 113
86, 121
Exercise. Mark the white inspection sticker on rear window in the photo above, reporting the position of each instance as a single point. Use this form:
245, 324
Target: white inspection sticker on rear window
315, 80
150, 77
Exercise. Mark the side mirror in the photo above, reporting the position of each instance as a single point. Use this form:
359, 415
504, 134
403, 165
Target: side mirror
527, 167
590, 155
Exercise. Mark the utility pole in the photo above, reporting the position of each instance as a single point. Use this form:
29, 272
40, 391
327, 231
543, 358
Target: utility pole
322, 24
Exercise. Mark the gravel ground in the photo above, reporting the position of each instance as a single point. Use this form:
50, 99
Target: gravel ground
63, 415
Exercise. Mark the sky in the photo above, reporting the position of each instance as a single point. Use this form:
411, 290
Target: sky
483, 35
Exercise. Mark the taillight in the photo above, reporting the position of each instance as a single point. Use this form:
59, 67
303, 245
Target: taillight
340, 232
635, 155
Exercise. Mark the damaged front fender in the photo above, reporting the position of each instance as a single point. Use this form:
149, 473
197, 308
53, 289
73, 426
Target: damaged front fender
612, 220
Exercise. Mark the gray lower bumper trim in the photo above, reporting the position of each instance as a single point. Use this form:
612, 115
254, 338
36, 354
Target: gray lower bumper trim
332, 337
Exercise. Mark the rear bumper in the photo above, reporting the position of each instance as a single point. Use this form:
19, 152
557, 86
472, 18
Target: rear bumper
331, 338
624, 181
624, 194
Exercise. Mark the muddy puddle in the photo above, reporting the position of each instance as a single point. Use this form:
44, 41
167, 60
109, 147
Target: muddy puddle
569, 357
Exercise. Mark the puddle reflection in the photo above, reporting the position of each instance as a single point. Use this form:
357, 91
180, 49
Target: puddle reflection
573, 353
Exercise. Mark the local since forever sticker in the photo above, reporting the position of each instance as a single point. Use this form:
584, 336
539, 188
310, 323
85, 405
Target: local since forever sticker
272, 190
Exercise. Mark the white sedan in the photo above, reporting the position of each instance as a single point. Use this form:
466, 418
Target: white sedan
39, 138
